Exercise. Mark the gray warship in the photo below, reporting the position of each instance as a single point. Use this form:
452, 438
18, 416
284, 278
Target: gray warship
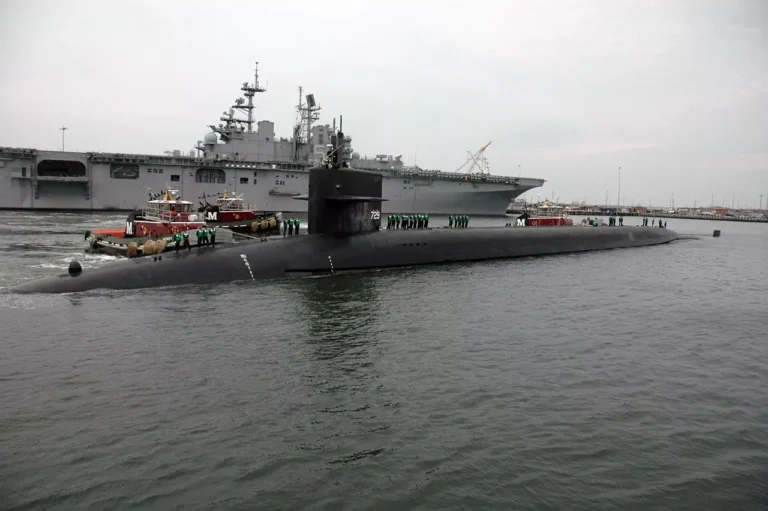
244, 157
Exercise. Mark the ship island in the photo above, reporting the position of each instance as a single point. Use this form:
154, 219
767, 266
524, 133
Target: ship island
244, 157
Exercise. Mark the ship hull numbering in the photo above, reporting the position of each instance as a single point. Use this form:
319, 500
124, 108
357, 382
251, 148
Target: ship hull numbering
69, 181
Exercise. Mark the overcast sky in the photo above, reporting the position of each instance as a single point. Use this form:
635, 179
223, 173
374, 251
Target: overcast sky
674, 92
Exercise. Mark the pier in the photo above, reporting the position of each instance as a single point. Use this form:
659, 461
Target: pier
755, 216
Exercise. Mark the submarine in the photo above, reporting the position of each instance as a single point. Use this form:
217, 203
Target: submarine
344, 209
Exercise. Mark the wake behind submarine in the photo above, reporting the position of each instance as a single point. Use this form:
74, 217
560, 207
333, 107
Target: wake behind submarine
344, 212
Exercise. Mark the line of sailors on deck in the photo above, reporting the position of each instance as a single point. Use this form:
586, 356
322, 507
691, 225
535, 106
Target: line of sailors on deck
408, 222
205, 236
653, 223
458, 221
291, 227
421, 221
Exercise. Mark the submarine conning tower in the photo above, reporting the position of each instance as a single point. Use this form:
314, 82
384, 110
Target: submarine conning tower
342, 200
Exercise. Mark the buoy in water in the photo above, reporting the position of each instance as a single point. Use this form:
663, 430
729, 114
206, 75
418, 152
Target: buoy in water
74, 268
716, 234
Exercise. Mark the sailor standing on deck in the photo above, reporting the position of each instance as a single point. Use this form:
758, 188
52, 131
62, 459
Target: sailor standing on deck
213, 235
285, 228
450, 221
298, 224
186, 241
199, 237
176, 240
290, 227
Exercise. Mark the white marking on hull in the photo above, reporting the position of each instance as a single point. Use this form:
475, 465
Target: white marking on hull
247, 265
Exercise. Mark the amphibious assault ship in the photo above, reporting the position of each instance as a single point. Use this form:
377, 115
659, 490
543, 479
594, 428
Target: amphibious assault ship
244, 157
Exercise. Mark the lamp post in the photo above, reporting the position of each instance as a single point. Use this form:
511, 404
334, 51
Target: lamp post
63, 129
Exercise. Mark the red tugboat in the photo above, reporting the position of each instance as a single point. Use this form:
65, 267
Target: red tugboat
164, 215
229, 212
552, 217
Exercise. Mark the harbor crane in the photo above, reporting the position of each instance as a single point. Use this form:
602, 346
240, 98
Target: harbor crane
477, 160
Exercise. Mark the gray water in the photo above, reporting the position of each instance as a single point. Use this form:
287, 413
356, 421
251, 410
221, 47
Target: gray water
624, 379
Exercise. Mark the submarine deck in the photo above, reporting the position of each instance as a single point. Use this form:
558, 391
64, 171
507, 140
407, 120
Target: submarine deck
297, 256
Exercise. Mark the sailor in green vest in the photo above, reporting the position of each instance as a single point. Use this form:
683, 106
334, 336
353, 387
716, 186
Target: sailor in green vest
450, 221
298, 224
185, 236
176, 240
199, 237
205, 235
426, 221
466, 221
213, 235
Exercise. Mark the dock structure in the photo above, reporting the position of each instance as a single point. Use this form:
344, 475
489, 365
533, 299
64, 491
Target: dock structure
661, 214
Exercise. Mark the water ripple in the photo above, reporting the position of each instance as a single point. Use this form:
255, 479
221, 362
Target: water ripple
624, 379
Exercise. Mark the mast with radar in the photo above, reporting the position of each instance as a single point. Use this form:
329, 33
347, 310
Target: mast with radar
306, 114
232, 127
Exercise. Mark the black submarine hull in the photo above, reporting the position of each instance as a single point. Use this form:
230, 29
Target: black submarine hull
328, 253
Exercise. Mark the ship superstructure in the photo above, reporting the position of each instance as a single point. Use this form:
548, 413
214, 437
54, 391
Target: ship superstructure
245, 157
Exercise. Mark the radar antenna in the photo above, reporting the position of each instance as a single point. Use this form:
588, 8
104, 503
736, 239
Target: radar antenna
231, 123
477, 160
306, 114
